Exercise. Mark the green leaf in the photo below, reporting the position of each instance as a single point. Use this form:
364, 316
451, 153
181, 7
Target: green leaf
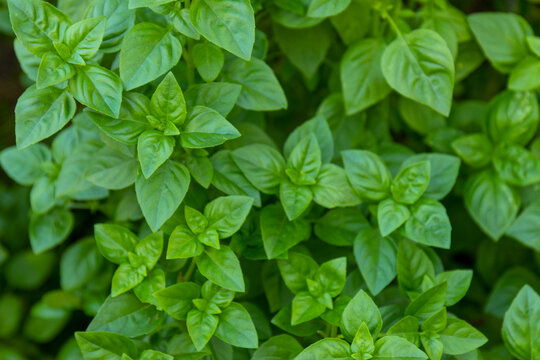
376, 258
407, 328
201, 327
278, 233
325, 8
84, 37
421, 75
335, 349
305, 307
98, 345
502, 37
133, 4
340, 226
153, 149
220, 96
112, 169
126, 277
332, 275
411, 182
513, 117
202, 170
284, 347
516, 165
98, 88
361, 309
474, 149
127, 316
168, 103
362, 79
305, 48
229, 178
40, 113
458, 283
130, 123
53, 70
391, 215
262, 165
228, 25
153, 282
206, 128
492, 204
42, 195
296, 269
176, 300
304, 162
208, 60
413, 264
119, 20
396, 348
149, 249
160, 195
236, 327
155, 355
24, 166
332, 188
363, 341
148, 51
428, 303
226, 214
459, 337
521, 325
526, 75
50, 229
525, 228
222, 267
183, 244
79, 264
37, 24
115, 242
261, 90
294, 198
429, 224
317, 126
367, 173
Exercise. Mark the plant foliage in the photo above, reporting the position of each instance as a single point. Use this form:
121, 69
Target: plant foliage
271, 179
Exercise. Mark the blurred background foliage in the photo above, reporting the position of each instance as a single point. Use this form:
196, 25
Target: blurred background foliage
41, 319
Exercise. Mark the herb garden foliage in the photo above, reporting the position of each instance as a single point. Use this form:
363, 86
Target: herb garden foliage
192, 217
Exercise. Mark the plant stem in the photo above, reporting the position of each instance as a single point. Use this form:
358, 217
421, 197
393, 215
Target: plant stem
190, 270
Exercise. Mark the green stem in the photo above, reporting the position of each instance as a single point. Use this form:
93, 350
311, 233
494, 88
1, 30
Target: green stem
333, 331
392, 23
190, 270
189, 63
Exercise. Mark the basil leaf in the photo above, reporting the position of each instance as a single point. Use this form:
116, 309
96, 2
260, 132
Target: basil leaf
520, 324
153, 149
222, 267
335, 349
361, 75
97, 345
40, 113
367, 173
160, 195
236, 327
97, 88
361, 309
425, 76
226, 214
141, 60
376, 258
492, 204
260, 88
